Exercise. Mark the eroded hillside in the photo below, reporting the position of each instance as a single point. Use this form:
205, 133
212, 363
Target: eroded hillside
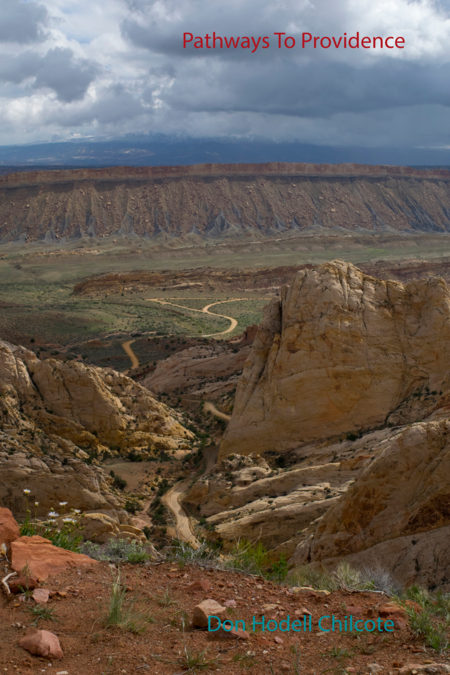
222, 200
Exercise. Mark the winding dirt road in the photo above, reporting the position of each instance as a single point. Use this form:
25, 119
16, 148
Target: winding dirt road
205, 310
131, 354
210, 407
182, 522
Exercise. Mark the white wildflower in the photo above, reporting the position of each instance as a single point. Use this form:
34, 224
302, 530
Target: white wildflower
69, 520
62, 503
36, 503
27, 492
53, 514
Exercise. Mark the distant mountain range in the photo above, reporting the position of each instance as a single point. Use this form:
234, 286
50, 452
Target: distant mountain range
160, 150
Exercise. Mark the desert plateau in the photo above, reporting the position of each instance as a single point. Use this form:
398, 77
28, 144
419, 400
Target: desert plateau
225, 406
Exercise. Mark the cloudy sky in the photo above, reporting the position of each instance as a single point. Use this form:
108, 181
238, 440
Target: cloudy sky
105, 68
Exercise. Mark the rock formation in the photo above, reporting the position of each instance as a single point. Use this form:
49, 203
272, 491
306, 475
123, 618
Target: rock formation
222, 200
54, 416
197, 370
397, 512
338, 354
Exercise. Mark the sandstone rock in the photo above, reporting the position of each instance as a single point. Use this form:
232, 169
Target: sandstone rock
9, 529
118, 410
50, 482
271, 527
206, 609
42, 643
399, 499
193, 367
200, 585
49, 408
229, 603
22, 583
41, 595
43, 558
339, 353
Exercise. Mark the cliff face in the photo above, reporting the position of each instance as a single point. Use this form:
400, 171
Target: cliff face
339, 353
396, 512
222, 200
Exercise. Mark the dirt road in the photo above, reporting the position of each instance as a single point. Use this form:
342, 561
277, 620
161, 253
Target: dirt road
205, 310
182, 523
131, 354
210, 407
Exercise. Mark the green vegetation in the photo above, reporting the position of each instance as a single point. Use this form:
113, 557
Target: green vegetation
116, 550
122, 612
430, 618
62, 537
40, 612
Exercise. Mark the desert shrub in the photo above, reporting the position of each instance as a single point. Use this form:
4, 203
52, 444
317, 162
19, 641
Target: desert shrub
248, 557
122, 612
183, 553
132, 506
116, 550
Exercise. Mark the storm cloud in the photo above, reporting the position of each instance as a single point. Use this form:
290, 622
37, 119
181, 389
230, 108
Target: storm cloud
112, 68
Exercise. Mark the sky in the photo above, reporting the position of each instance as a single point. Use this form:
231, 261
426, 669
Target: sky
105, 68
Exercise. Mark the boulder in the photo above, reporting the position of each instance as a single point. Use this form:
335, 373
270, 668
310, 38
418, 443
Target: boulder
22, 583
43, 559
206, 609
9, 529
42, 643
338, 353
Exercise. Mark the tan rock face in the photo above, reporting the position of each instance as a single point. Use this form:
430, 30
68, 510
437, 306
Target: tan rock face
52, 412
50, 482
104, 403
338, 354
396, 513
43, 558
195, 368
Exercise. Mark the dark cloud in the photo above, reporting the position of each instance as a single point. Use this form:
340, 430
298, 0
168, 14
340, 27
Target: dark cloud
308, 89
57, 70
68, 77
22, 22
115, 105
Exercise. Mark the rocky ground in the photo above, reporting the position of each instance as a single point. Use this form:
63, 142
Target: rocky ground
79, 602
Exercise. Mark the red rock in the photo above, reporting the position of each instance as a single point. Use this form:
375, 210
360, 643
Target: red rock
233, 634
206, 609
278, 640
43, 558
9, 529
21, 584
229, 603
43, 643
200, 585
41, 595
